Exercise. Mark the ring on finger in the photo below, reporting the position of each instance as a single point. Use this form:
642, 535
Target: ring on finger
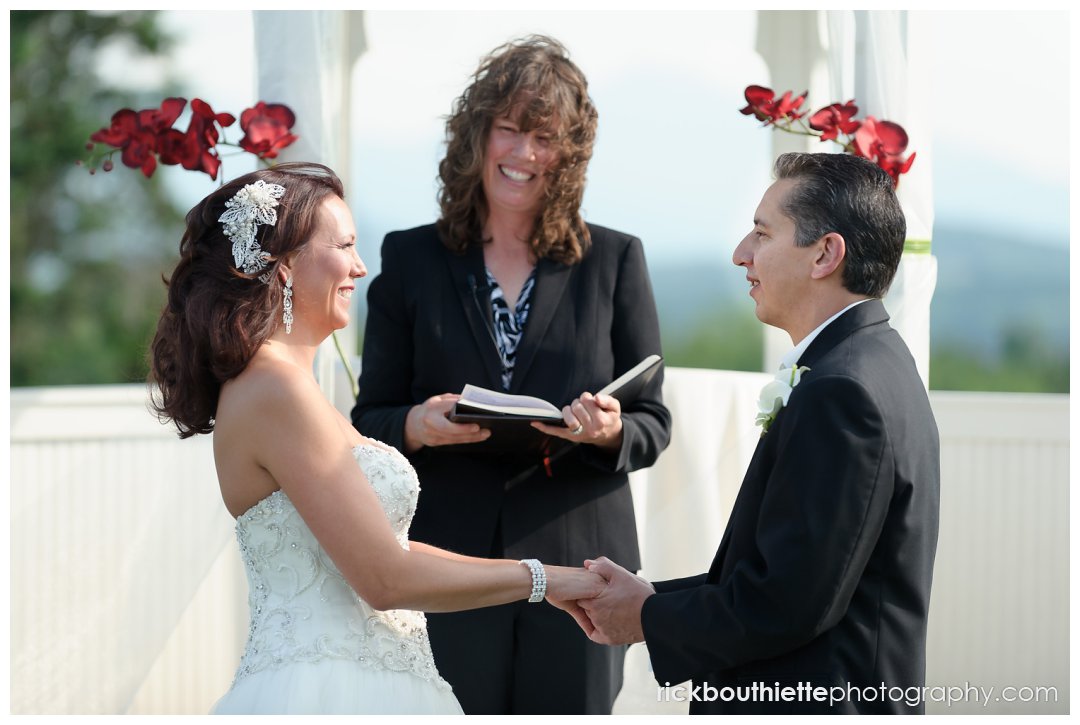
577, 431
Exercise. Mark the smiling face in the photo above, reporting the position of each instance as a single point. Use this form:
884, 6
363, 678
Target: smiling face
778, 271
325, 270
516, 167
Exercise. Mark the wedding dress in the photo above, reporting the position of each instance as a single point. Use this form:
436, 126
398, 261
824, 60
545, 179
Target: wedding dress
314, 646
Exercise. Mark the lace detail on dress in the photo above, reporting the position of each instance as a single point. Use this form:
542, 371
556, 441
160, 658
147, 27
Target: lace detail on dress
303, 610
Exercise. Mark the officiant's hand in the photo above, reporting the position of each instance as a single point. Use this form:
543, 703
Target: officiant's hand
616, 613
593, 419
427, 425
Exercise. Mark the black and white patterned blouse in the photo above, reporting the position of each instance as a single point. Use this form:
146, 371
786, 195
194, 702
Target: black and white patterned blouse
509, 326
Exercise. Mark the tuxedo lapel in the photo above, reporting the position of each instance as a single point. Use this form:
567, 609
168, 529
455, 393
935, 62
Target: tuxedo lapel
470, 281
868, 313
871, 312
551, 280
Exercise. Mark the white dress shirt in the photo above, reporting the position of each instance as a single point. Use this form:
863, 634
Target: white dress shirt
789, 360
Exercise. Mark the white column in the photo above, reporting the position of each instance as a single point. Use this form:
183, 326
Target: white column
305, 60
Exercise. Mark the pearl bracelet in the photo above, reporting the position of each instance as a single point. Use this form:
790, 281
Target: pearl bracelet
539, 580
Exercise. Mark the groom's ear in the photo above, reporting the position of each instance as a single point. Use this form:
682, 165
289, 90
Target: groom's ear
830, 257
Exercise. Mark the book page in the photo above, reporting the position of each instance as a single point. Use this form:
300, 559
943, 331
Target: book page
614, 386
497, 402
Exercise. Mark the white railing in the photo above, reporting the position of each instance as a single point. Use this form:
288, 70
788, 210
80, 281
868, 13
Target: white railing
127, 594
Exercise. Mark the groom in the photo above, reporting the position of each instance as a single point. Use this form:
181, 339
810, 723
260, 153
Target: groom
816, 601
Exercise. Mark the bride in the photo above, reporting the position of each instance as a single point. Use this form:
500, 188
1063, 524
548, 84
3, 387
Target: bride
337, 592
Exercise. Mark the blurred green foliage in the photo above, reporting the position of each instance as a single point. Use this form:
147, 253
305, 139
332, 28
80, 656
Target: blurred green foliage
87, 252
732, 338
1028, 362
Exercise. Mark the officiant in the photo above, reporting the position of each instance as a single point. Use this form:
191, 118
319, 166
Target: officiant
510, 289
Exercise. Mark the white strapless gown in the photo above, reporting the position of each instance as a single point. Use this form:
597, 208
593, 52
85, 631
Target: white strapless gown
314, 646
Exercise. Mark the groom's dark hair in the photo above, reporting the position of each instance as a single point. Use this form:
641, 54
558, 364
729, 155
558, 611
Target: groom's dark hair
854, 198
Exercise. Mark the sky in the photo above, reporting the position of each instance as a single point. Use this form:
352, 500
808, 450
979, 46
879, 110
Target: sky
674, 162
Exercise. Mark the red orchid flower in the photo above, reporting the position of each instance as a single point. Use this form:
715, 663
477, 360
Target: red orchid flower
880, 138
835, 119
125, 133
896, 165
125, 122
177, 147
787, 106
204, 123
757, 97
137, 133
157, 121
762, 104
202, 137
884, 143
147, 137
267, 129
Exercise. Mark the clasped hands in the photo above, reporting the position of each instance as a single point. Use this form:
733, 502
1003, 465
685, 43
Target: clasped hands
613, 616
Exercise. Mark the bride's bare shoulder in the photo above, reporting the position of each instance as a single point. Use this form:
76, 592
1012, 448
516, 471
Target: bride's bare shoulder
265, 387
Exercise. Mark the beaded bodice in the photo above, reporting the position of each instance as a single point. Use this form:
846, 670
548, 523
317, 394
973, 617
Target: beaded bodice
303, 610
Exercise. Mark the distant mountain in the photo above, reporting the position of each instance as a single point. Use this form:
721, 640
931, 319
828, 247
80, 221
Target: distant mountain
688, 293
988, 282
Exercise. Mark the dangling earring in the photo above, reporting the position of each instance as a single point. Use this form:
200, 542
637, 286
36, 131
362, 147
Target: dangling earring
286, 317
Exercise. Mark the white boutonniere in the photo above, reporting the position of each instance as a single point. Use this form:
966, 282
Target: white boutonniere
775, 394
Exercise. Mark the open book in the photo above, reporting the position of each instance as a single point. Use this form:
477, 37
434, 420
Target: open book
508, 416
481, 400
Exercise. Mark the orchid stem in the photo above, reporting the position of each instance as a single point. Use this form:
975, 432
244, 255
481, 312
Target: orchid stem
354, 384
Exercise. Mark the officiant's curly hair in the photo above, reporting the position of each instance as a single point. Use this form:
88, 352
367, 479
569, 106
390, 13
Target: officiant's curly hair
532, 80
217, 316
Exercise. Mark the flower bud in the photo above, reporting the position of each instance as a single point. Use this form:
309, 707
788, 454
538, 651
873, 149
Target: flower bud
93, 171
107, 166
89, 145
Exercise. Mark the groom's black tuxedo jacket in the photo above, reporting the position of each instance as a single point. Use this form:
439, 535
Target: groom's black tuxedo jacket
823, 573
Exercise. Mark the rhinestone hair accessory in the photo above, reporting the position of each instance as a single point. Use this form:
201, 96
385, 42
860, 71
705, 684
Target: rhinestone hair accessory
251, 206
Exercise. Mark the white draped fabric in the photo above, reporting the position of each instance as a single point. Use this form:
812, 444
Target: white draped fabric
304, 59
881, 58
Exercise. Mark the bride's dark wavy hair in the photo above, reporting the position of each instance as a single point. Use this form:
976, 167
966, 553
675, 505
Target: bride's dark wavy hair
535, 79
217, 316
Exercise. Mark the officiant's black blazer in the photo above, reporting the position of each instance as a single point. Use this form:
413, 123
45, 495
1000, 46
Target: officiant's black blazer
427, 334
823, 573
